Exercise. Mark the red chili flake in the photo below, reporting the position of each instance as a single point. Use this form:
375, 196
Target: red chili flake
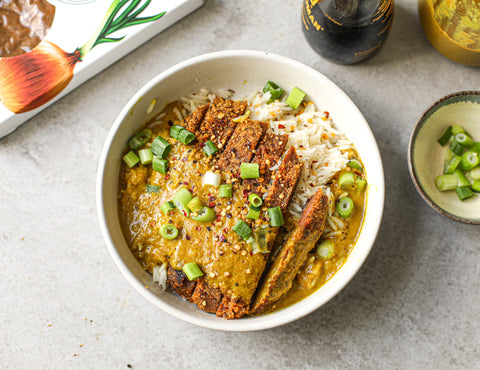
187, 237
312, 185
223, 239
174, 158
314, 161
167, 177
218, 218
198, 228
225, 230
184, 213
327, 114
245, 193
211, 204
281, 126
152, 223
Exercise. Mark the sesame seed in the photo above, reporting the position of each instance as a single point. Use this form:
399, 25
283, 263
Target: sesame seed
226, 274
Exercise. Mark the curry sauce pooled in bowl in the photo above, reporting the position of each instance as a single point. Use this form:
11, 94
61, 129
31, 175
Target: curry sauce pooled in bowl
241, 207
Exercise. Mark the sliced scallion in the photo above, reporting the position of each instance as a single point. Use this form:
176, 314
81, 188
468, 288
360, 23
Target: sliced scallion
249, 171
167, 207
443, 139
276, 217
211, 178
195, 204
205, 214
326, 249
160, 165
476, 148
175, 130
457, 148
464, 139
242, 229
446, 182
192, 271
476, 186
464, 192
225, 191
131, 159
470, 160
346, 180
461, 179
168, 231
255, 200
146, 156
186, 137
355, 164
140, 139
181, 200
253, 212
295, 98
457, 129
152, 188
209, 148
345, 207
474, 173
361, 183
452, 164
275, 91
161, 147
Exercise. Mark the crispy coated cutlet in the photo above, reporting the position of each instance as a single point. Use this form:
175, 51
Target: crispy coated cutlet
192, 122
180, 283
206, 298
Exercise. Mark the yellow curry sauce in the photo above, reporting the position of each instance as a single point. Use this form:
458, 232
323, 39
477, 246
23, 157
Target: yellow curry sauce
227, 261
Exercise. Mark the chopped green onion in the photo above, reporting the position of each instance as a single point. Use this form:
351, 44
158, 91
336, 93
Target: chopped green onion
160, 165
210, 148
186, 137
260, 239
168, 231
225, 191
295, 98
255, 200
361, 183
457, 129
346, 180
474, 173
446, 182
464, 192
464, 139
253, 212
205, 214
242, 229
195, 204
276, 217
146, 156
470, 160
249, 171
461, 179
442, 140
131, 159
192, 271
181, 200
275, 91
476, 148
140, 139
243, 117
452, 164
449, 155
167, 207
345, 207
211, 178
355, 165
457, 148
153, 188
175, 130
476, 186
326, 249
161, 147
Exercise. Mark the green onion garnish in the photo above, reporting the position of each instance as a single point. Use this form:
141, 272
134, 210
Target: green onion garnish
446, 182
131, 159
225, 191
442, 140
464, 139
175, 130
192, 271
295, 98
457, 129
249, 171
146, 156
452, 164
346, 180
140, 139
461, 179
210, 148
253, 212
167, 207
326, 249
185, 137
276, 217
161, 147
168, 231
355, 165
181, 200
205, 214
152, 188
474, 173
476, 186
457, 148
476, 148
195, 204
361, 183
470, 159
255, 200
464, 192
275, 91
242, 229
345, 207
160, 165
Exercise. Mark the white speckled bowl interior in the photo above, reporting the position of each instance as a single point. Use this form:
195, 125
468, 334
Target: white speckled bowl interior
426, 156
244, 72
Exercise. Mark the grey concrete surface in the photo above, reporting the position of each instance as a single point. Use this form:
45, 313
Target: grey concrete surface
415, 304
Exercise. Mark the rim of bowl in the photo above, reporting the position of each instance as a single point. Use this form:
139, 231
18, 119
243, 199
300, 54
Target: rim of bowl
413, 174
240, 324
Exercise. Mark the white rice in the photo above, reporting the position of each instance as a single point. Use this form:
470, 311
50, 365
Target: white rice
322, 147
160, 275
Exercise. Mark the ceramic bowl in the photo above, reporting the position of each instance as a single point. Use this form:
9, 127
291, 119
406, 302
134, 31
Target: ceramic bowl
244, 72
426, 156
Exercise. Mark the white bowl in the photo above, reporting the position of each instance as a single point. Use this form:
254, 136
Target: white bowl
244, 72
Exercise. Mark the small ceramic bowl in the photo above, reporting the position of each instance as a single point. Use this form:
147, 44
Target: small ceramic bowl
426, 156
245, 72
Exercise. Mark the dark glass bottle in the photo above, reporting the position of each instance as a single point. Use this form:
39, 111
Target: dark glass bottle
347, 31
